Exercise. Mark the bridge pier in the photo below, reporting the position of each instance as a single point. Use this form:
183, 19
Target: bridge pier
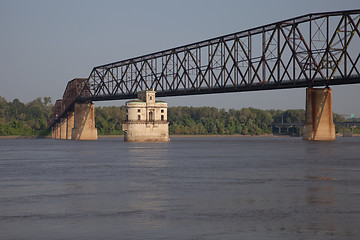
319, 125
348, 133
53, 132
84, 122
62, 126
69, 125
57, 131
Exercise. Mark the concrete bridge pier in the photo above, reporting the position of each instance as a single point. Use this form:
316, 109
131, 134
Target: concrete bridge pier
69, 125
62, 126
57, 131
319, 125
84, 122
53, 131
348, 133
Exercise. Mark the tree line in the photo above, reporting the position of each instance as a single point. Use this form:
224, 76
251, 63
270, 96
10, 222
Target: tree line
30, 119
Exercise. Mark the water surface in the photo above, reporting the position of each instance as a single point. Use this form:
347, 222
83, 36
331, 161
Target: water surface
189, 188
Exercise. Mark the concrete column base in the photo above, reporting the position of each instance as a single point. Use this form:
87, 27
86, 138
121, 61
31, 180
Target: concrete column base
57, 131
53, 132
69, 125
319, 125
84, 122
62, 126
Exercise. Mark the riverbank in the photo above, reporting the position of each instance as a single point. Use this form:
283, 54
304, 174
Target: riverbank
24, 137
177, 136
204, 136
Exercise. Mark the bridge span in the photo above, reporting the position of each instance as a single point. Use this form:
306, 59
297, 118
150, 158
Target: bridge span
313, 50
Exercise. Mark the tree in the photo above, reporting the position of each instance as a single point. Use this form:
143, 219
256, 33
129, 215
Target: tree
17, 118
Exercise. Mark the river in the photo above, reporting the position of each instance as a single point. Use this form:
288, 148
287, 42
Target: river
189, 188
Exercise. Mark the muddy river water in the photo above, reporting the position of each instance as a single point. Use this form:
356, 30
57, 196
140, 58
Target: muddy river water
190, 188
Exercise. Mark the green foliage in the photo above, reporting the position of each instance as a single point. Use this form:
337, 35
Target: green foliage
17, 118
206, 120
108, 120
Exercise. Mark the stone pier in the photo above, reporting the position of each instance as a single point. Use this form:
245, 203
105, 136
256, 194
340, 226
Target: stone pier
319, 125
69, 124
57, 131
53, 132
62, 125
84, 122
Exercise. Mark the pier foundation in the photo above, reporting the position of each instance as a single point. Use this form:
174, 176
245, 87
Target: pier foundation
84, 122
69, 125
319, 125
62, 126
57, 131
53, 132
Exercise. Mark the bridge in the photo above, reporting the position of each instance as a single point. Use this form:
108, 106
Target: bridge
299, 125
313, 50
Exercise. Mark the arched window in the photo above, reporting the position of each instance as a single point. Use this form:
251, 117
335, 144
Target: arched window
150, 116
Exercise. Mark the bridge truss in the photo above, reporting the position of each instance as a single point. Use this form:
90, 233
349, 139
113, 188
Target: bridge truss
319, 49
312, 50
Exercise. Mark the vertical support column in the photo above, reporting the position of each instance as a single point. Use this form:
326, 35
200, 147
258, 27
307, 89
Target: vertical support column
62, 126
57, 131
319, 125
69, 125
84, 122
53, 132
352, 130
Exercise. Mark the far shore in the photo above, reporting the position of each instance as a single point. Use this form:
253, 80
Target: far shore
204, 136
178, 136
19, 136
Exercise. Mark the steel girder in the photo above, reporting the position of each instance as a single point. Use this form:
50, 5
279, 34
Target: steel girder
66, 104
318, 49
312, 50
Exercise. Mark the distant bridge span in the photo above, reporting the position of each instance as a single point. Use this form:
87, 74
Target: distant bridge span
319, 49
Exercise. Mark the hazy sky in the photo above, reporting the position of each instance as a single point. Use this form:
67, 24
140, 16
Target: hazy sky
45, 44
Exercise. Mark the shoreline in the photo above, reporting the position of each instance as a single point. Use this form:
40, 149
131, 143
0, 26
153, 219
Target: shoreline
22, 137
179, 136
207, 136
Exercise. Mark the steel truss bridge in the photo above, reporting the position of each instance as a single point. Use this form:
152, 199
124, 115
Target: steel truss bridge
319, 49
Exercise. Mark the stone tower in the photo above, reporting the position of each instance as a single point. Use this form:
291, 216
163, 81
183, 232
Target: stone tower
146, 119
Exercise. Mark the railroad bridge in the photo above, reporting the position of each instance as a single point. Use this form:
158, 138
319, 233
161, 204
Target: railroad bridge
313, 51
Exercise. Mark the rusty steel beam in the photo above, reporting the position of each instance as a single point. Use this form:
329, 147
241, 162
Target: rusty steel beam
313, 48
318, 49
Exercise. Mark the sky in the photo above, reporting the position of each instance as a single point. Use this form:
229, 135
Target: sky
44, 44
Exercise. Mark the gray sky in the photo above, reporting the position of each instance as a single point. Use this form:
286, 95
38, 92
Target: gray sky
45, 44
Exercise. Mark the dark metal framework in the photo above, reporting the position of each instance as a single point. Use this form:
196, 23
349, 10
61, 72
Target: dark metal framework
319, 49
71, 94
312, 50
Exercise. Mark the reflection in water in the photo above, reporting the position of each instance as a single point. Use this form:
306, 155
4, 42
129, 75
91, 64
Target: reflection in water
321, 195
